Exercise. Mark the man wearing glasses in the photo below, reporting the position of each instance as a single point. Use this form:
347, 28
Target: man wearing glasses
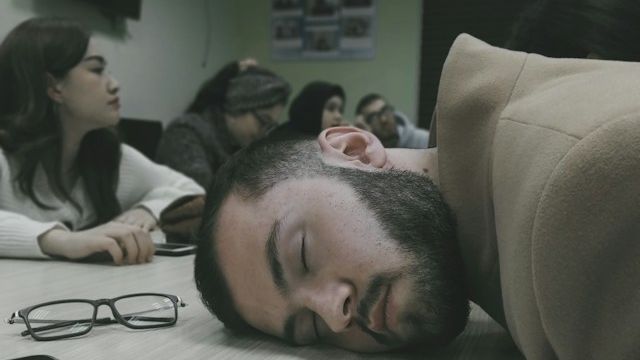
392, 127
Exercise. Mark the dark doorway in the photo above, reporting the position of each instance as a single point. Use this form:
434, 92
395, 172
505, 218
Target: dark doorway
442, 21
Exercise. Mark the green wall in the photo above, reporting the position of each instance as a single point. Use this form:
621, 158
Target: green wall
393, 71
173, 35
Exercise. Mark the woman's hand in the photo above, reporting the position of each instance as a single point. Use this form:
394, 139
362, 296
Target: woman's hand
138, 217
127, 244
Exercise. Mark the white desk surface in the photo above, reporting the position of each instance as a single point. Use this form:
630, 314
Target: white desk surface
197, 334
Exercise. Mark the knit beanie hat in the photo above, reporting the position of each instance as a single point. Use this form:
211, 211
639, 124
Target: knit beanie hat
306, 110
255, 88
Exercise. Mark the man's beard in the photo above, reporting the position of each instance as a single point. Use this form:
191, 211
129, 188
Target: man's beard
412, 211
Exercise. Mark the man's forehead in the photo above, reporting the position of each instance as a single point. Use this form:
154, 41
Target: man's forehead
374, 106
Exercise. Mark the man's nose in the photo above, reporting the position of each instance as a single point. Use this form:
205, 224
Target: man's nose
114, 85
334, 302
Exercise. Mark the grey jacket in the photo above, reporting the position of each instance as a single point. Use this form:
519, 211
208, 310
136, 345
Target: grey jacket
410, 136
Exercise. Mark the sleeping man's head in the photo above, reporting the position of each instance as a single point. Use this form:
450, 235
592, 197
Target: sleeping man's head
325, 241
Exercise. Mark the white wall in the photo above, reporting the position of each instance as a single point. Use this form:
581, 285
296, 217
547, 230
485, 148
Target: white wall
160, 60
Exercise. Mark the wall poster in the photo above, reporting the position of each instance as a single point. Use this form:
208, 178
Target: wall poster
322, 29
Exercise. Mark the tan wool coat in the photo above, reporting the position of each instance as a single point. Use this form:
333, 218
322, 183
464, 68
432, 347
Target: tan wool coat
540, 160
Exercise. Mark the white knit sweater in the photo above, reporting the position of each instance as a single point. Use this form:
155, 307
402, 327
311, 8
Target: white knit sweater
142, 183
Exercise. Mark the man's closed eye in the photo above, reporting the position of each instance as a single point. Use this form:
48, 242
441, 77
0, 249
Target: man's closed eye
303, 256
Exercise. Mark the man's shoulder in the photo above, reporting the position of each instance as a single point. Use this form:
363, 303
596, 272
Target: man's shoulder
573, 96
585, 250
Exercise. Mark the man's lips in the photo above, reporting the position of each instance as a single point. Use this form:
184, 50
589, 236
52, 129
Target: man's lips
378, 320
115, 102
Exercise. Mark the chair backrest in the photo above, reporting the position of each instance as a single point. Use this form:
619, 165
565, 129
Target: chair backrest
143, 135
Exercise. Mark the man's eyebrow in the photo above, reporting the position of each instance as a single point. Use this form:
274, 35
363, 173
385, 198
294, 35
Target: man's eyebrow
96, 58
272, 254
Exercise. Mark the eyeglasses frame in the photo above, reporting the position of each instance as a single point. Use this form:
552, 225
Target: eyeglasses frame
24, 313
369, 118
266, 125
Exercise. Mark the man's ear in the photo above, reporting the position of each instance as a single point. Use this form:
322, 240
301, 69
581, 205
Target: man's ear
352, 147
54, 89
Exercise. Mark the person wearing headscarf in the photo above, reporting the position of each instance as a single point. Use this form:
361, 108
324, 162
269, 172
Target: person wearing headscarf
320, 105
239, 105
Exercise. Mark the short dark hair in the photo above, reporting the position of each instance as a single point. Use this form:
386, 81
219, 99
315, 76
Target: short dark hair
366, 100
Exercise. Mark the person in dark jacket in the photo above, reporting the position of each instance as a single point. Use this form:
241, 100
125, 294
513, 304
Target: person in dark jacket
239, 105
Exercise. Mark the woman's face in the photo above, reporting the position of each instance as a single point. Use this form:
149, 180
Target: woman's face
87, 95
332, 113
254, 125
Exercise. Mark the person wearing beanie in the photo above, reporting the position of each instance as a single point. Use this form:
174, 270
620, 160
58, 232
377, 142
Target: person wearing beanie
318, 106
240, 104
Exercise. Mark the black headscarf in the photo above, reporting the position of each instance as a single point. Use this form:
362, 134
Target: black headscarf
305, 112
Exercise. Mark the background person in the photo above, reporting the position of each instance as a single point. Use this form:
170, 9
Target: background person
239, 105
392, 127
318, 106
68, 188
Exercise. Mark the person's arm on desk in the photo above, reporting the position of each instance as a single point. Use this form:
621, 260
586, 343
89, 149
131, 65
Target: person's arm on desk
139, 217
127, 244
146, 185
23, 237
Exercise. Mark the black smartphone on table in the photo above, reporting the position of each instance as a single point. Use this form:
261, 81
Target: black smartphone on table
162, 249
175, 249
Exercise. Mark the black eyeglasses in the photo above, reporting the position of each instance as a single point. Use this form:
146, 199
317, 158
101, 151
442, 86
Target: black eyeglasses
61, 319
387, 109
266, 122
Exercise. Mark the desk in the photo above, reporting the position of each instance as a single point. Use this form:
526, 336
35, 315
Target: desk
197, 334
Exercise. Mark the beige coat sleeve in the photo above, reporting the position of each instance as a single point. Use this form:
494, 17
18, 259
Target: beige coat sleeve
586, 246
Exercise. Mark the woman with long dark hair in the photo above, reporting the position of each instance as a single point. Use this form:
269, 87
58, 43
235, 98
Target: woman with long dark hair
68, 188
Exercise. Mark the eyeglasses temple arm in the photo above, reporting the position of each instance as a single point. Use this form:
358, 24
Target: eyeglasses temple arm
145, 318
13, 318
63, 323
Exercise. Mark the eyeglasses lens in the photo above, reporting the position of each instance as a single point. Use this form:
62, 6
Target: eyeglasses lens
386, 110
71, 318
146, 310
263, 120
